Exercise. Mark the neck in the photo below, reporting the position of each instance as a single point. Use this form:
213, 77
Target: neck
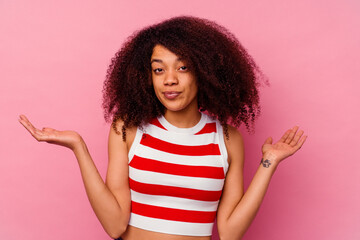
183, 119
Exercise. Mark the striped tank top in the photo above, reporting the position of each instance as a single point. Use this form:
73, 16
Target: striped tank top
176, 176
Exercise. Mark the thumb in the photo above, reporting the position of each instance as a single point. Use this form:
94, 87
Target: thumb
268, 140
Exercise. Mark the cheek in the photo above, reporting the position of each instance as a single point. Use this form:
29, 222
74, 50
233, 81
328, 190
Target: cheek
155, 86
194, 88
153, 82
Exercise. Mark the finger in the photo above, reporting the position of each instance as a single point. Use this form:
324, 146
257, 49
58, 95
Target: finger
24, 119
36, 133
268, 140
27, 125
301, 142
291, 135
285, 136
296, 138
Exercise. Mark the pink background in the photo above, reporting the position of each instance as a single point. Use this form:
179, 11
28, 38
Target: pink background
53, 60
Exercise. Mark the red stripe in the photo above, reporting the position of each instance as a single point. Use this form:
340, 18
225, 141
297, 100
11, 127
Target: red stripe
201, 150
177, 169
171, 191
173, 214
156, 122
208, 128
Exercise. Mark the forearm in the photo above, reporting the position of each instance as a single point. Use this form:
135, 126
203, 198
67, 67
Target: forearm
237, 210
245, 211
113, 218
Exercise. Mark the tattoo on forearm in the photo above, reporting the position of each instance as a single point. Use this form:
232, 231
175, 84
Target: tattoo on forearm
266, 163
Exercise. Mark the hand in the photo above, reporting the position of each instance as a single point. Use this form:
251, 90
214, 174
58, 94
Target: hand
69, 139
290, 142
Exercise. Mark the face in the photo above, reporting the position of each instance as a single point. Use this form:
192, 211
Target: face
173, 80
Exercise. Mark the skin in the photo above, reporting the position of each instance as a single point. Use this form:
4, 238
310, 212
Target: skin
170, 74
110, 200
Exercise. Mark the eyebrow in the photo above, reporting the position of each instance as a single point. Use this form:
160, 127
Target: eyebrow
160, 61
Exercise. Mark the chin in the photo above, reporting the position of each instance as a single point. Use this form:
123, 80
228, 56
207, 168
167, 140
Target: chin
174, 109
172, 106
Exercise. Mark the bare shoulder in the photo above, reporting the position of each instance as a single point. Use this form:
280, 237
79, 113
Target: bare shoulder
116, 134
234, 143
118, 149
234, 134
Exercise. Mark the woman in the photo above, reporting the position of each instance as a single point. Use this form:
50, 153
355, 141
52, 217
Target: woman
172, 168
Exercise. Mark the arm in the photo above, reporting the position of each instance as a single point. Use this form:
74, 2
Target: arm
110, 201
237, 210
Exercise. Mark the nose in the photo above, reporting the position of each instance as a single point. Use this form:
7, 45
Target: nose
171, 78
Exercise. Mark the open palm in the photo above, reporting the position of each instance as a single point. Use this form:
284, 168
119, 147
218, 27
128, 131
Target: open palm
67, 139
290, 142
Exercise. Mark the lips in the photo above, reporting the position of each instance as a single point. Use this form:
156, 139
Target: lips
171, 95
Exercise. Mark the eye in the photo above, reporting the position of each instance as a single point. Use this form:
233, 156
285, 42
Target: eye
157, 70
183, 68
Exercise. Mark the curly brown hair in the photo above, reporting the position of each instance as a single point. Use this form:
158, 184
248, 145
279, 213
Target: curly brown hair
227, 76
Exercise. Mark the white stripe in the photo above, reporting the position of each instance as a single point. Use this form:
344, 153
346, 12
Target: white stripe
181, 139
208, 160
135, 144
174, 202
171, 227
207, 184
222, 147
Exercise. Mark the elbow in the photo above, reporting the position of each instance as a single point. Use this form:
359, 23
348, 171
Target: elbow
227, 236
116, 226
228, 232
114, 236
116, 232
223, 235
